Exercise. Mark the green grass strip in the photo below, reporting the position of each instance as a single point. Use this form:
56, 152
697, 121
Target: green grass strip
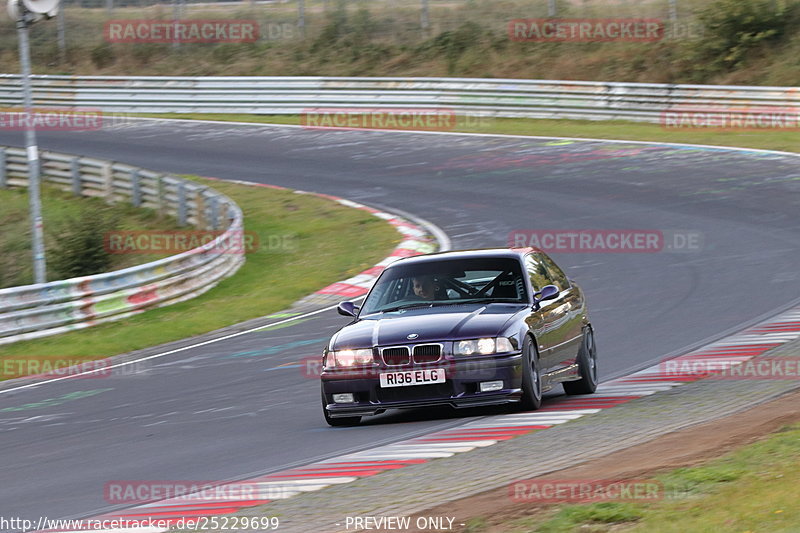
768, 139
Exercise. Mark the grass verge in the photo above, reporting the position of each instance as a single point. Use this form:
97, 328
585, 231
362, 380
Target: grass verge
749, 490
782, 140
306, 242
62, 211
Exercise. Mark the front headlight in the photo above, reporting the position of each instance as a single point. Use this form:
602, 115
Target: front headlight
349, 358
485, 346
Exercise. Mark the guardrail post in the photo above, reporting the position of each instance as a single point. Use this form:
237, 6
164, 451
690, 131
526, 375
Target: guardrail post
3, 168
200, 206
214, 208
161, 191
181, 203
108, 181
75, 173
136, 188
160, 196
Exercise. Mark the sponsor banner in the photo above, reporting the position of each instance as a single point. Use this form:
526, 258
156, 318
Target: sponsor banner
585, 490
52, 119
434, 119
179, 241
607, 241
181, 31
183, 491
584, 30
761, 368
731, 118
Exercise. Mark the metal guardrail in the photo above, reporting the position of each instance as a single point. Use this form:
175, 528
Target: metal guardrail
644, 102
33, 311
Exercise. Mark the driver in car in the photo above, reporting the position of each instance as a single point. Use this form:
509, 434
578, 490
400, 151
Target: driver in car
425, 287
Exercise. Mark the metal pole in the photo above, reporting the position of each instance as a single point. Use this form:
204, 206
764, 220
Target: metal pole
673, 10
62, 35
37, 232
425, 16
301, 17
552, 9
176, 15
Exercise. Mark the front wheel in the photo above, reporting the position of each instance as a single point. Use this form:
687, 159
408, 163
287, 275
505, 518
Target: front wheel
338, 421
531, 377
587, 365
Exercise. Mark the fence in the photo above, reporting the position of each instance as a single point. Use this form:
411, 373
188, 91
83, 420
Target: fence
33, 311
644, 102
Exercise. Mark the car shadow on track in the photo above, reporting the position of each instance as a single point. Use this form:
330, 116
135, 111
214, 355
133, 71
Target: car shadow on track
427, 414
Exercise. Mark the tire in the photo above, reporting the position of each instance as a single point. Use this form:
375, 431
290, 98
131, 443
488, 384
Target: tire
338, 421
587, 365
531, 377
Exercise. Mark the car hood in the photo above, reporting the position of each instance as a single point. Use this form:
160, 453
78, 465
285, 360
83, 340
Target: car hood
442, 323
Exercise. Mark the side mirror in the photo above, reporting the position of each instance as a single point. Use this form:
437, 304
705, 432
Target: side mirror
347, 309
548, 292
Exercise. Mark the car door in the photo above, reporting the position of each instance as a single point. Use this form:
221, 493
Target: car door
567, 313
545, 321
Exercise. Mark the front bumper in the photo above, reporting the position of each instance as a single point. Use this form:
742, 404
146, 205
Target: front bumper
460, 389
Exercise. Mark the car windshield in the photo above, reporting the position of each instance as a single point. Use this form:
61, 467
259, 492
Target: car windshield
430, 283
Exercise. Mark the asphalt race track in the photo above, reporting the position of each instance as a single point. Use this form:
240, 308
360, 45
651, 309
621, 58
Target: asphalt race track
229, 410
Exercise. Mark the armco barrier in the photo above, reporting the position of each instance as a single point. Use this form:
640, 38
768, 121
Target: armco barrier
645, 102
39, 310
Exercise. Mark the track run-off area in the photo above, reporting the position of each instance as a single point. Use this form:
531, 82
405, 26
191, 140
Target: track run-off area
241, 407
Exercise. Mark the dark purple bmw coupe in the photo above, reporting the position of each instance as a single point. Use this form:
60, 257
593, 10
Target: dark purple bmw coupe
466, 328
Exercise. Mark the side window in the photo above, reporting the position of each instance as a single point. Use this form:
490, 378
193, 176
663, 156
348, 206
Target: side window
537, 272
559, 279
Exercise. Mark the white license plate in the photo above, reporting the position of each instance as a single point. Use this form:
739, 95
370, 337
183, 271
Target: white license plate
412, 377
